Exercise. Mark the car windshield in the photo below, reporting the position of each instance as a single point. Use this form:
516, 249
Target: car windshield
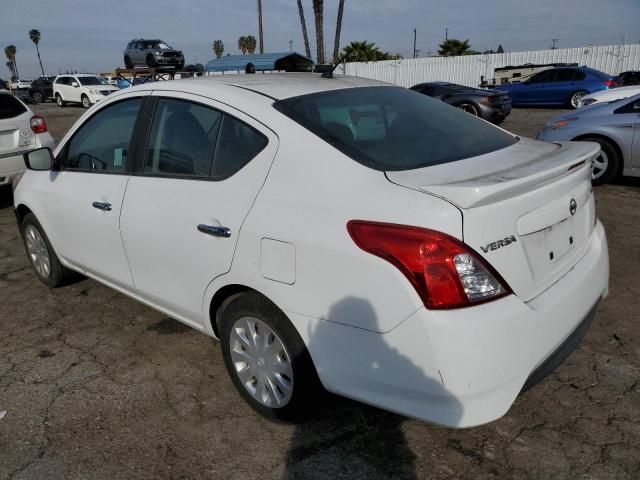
160, 45
89, 81
393, 128
10, 107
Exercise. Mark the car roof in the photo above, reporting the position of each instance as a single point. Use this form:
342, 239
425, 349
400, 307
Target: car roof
277, 86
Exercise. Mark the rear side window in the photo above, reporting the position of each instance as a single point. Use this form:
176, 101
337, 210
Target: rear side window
578, 75
566, 75
183, 139
10, 107
237, 145
102, 143
392, 128
192, 140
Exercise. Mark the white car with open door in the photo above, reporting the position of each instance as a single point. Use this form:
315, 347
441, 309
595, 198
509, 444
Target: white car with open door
20, 131
341, 232
85, 89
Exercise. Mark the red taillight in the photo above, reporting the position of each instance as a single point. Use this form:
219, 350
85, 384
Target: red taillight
38, 125
610, 83
444, 271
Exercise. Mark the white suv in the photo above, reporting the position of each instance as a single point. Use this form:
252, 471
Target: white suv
81, 88
20, 131
337, 232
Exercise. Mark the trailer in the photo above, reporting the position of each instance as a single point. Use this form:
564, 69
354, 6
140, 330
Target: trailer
127, 77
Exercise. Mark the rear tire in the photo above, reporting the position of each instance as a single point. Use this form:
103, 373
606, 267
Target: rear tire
43, 258
127, 62
575, 98
469, 108
607, 165
86, 103
37, 97
267, 360
59, 101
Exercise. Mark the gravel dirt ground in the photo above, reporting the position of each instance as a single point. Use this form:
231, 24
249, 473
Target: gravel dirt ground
97, 386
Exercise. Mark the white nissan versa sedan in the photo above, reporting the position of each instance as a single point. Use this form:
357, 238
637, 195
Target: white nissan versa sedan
342, 233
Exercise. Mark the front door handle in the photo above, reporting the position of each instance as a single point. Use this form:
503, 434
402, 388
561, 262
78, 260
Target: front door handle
223, 232
102, 206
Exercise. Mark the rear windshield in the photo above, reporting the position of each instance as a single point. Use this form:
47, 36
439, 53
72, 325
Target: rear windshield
10, 107
393, 128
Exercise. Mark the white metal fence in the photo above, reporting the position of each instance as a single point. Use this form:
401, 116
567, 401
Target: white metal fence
466, 70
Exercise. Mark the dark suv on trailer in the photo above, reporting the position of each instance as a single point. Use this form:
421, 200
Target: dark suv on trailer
41, 89
152, 54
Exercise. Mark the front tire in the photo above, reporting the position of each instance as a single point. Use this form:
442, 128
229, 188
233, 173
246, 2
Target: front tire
59, 100
86, 103
151, 61
38, 97
43, 258
267, 360
127, 62
606, 165
574, 100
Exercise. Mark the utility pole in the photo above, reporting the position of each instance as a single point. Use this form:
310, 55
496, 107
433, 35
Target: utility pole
291, 45
554, 43
446, 33
260, 36
415, 34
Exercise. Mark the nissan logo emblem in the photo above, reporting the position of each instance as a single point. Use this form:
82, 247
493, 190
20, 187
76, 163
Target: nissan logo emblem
573, 206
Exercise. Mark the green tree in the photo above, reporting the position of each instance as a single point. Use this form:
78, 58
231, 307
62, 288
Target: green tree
34, 35
10, 67
10, 52
242, 44
250, 42
454, 47
305, 37
365, 51
318, 13
218, 48
336, 43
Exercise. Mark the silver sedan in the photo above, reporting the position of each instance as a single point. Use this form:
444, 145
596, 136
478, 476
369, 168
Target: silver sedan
614, 125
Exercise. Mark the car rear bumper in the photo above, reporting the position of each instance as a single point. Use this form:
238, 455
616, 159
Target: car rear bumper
11, 166
462, 367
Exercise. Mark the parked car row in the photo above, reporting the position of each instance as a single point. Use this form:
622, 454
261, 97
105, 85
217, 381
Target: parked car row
427, 284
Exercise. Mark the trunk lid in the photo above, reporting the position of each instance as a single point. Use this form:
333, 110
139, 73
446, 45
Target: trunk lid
527, 209
16, 134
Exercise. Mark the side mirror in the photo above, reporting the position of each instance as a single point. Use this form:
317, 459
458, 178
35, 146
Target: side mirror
39, 160
75, 84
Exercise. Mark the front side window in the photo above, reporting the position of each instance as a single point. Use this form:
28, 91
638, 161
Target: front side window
542, 77
183, 139
102, 143
392, 128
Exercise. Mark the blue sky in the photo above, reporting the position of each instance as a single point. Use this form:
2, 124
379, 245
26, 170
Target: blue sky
91, 34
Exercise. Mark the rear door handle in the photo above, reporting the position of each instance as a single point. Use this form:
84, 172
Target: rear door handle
223, 232
102, 206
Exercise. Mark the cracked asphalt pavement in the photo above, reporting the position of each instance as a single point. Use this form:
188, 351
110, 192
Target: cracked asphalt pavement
98, 386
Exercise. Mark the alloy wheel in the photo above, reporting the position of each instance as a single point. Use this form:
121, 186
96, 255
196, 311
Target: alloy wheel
261, 362
599, 165
85, 102
467, 107
576, 97
37, 250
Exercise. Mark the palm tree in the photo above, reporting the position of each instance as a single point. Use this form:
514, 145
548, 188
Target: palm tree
365, 52
34, 35
242, 44
260, 36
218, 48
250, 43
453, 47
304, 29
10, 52
9, 65
318, 13
336, 44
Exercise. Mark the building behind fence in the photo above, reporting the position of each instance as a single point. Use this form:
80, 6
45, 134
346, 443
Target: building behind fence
468, 69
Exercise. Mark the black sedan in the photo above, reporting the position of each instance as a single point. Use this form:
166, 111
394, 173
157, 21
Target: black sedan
626, 79
490, 105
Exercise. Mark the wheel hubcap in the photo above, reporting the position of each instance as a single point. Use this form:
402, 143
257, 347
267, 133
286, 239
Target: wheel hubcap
85, 102
468, 108
599, 165
261, 362
37, 251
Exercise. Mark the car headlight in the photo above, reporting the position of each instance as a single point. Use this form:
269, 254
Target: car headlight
94, 92
158, 53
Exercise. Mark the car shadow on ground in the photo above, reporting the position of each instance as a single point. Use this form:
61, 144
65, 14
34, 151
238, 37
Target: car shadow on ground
346, 439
